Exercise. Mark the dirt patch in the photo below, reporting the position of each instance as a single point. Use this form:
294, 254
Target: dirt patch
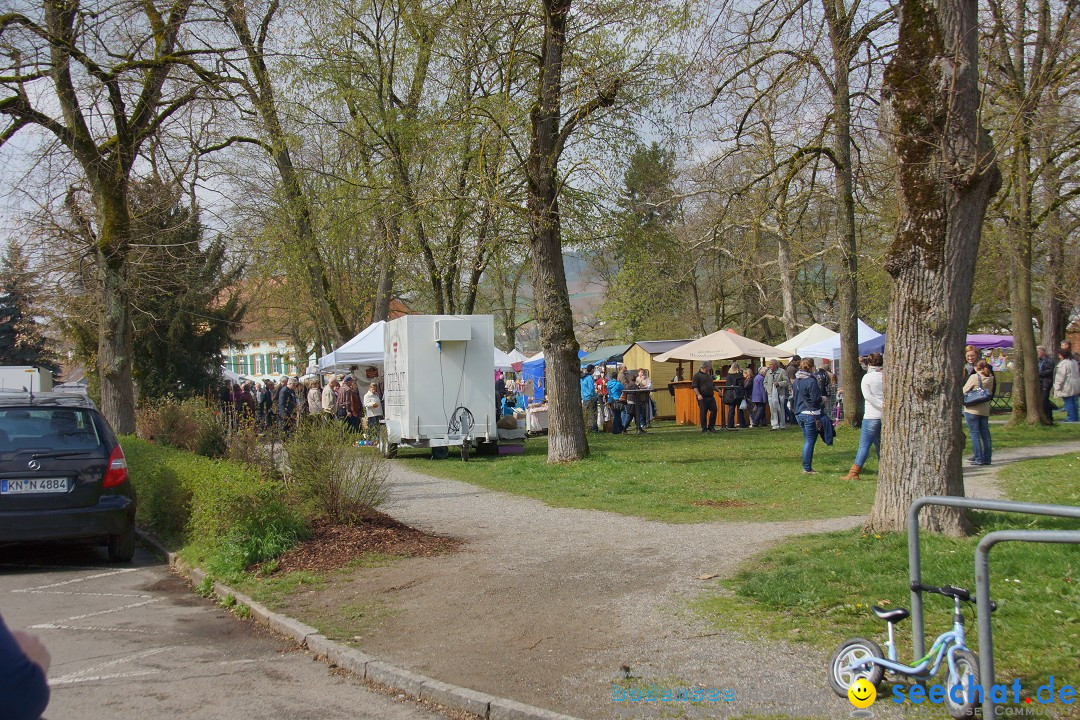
720, 503
334, 546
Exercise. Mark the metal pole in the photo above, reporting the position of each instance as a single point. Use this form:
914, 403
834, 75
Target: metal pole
982, 595
914, 560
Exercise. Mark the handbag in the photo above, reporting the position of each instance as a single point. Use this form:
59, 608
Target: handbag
742, 405
977, 396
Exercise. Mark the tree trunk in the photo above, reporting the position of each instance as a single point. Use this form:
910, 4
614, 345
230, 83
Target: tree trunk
388, 262
946, 177
1054, 317
566, 434
787, 285
847, 320
1025, 357
115, 341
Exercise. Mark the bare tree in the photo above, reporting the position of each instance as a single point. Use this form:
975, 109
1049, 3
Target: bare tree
102, 82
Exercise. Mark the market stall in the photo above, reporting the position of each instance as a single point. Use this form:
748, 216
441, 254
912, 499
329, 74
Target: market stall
643, 354
721, 346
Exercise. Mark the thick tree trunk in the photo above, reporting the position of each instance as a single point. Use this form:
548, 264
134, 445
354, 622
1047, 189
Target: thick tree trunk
115, 341
947, 176
566, 434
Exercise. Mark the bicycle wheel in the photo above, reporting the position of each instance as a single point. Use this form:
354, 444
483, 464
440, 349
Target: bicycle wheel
849, 653
967, 664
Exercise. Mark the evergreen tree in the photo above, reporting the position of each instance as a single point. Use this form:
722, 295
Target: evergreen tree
648, 289
184, 310
183, 317
21, 339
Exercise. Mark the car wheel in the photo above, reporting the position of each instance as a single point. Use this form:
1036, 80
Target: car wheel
122, 546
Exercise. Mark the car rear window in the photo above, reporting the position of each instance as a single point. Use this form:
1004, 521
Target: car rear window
47, 427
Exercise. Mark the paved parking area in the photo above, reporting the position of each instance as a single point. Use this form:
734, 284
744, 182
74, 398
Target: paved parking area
132, 641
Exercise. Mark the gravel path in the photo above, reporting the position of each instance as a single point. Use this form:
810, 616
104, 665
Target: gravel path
544, 605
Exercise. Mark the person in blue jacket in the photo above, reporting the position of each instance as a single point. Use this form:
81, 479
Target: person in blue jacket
806, 400
24, 687
614, 393
588, 398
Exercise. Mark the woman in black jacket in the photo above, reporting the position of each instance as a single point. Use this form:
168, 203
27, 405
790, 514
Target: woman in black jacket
733, 395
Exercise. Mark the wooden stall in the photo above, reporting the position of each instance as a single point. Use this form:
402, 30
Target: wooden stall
642, 354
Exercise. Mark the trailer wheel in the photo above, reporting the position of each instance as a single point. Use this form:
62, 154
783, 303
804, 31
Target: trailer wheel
465, 448
440, 453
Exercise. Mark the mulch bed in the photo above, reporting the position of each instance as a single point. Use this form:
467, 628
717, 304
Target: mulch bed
332, 546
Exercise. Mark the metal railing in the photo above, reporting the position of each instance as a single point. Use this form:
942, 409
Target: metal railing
982, 569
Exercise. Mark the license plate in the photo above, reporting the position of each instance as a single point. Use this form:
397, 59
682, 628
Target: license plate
33, 485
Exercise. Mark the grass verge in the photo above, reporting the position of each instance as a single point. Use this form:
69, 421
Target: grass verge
677, 474
817, 589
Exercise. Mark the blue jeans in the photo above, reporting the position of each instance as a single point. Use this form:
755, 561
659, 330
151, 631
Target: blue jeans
809, 431
1071, 408
616, 421
869, 436
979, 427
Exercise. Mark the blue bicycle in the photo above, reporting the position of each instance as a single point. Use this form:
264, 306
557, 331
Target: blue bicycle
860, 658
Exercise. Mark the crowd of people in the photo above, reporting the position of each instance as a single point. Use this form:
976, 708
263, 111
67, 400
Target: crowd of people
801, 393
291, 401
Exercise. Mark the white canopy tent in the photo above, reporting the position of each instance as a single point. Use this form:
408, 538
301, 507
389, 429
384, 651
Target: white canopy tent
537, 356
231, 376
721, 345
516, 356
503, 361
810, 336
364, 349
870, 340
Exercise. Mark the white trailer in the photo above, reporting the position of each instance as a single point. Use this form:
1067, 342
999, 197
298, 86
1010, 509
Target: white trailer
25, 378
439, 384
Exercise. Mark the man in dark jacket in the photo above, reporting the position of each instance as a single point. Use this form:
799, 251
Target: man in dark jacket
1046, 380
705, 391
791, 369
286, 406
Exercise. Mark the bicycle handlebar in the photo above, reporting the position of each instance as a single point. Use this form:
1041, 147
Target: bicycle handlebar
949, 591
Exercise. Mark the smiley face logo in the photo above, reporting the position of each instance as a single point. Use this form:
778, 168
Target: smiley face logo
861, 693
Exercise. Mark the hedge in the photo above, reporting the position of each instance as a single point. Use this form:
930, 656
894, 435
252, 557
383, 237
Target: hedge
216, 513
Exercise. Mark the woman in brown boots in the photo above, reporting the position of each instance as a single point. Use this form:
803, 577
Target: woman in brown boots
873, 394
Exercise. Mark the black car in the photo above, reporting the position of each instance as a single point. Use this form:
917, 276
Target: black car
63, 475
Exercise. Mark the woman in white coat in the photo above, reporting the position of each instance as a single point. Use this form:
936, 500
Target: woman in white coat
1067, 384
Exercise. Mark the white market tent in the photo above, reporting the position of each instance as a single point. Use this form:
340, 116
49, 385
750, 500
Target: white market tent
810, 336
537, 356
721, 345
516, 356
870, 340
503, 361
364, 349
231, 376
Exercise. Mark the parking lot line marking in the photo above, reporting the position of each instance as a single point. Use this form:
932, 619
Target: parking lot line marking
72, 681
77, 580
100, 628
131, 657
90, 594
50, 625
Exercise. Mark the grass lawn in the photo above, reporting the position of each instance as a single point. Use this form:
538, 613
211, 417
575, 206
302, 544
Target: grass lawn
818, 589
677, 474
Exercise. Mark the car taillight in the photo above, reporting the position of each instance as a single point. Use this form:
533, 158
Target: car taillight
117, 472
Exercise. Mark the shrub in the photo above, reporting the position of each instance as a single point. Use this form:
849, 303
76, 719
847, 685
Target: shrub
190, 424
234, 515
334, 478
244, 445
